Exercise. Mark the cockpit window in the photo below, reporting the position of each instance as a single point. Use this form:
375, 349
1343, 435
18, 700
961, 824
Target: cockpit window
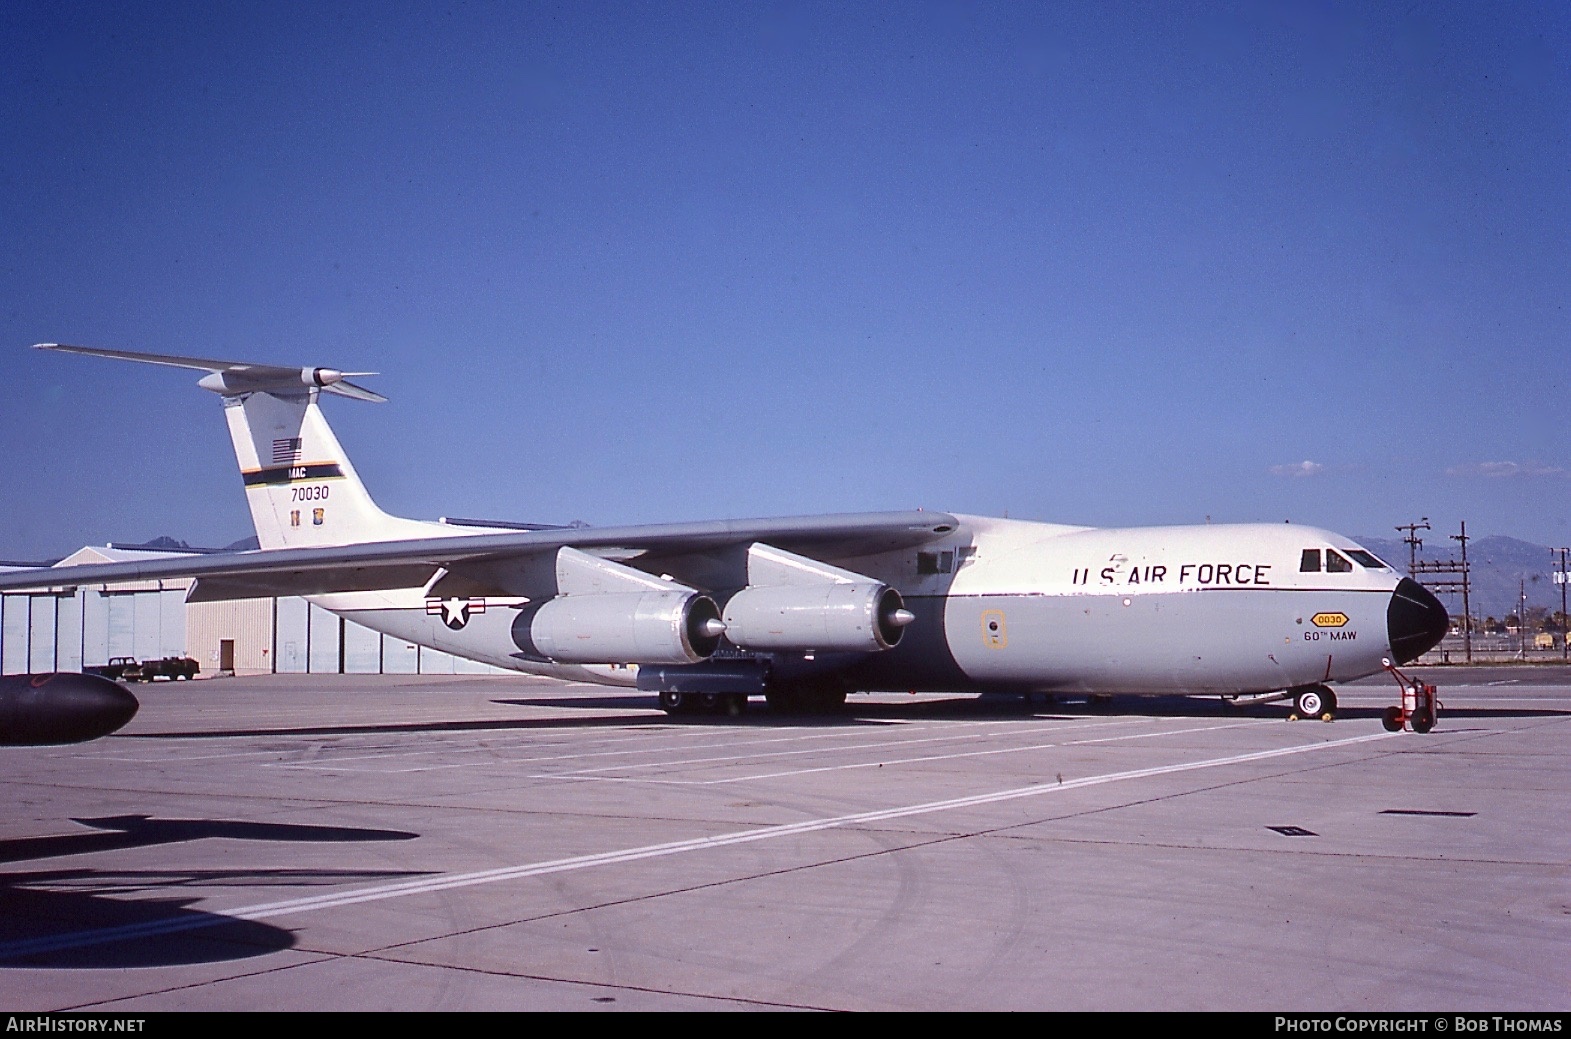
1336, 564
1367, 560
1310, 563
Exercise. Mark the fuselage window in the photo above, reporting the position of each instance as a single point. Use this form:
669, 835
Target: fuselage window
935, 562
1310, 564
1367, 560
1335, 564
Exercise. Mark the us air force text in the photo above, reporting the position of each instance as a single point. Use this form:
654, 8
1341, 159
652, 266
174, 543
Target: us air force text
1229, 574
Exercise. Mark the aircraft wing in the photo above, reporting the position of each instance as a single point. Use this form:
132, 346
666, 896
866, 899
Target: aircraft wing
486, 560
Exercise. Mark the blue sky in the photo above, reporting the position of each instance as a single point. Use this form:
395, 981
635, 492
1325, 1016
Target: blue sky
1114, 264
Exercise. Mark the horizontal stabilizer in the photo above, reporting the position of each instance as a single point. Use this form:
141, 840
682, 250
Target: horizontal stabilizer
233, 378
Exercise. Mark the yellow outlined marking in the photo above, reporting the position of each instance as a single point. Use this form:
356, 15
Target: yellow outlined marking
994, 634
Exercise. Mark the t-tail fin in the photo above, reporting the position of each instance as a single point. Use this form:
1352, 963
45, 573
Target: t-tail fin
300, 485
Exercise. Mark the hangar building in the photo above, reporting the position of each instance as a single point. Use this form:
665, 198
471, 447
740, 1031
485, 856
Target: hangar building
66, 628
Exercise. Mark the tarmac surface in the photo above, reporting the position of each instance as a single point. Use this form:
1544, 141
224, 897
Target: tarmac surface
483, 843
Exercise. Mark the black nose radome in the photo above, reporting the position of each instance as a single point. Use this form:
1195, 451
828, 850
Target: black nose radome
1415, 621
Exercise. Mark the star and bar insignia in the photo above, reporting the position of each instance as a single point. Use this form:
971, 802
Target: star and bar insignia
455, 613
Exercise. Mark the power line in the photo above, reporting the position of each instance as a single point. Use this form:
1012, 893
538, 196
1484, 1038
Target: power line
1414, 542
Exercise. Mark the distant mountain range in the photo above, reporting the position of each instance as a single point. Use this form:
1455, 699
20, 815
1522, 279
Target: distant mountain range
166, 543
1498, 567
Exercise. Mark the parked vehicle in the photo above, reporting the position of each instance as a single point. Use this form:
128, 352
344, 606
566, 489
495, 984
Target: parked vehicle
172, 668
126, 669
120, 669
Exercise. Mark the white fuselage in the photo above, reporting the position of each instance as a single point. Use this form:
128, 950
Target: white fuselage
1011, 605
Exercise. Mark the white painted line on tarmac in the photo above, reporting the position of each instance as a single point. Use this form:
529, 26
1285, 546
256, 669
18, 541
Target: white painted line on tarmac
597, 772
794, 736
798, 752
343, 750
1170, 732
922, 759
238, 755
449, 882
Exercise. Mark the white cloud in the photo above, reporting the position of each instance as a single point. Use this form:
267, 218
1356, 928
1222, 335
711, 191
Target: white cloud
1506, 470
1304, 468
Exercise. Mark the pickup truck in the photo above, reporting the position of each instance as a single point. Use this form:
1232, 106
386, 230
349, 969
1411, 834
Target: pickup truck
126, 669
121, 669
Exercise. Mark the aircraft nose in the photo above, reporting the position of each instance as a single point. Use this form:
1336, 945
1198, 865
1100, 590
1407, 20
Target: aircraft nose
1415, 621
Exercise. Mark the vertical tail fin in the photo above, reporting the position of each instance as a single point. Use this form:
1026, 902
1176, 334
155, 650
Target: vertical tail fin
300, 484
298, 481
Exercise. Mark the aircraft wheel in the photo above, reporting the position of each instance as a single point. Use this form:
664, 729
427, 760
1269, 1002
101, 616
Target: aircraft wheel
1328, 709
672, 702
733, 704
1314, 701
1392, 719
1423, 720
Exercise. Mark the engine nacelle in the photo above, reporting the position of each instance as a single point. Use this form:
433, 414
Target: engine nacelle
665, 627
827, 617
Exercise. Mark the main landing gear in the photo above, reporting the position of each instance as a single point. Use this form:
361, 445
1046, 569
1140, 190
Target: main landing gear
1313, 701
800, 698
729, 704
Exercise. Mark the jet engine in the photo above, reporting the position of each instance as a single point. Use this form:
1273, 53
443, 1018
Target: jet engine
654, 627
820, 611
605, 613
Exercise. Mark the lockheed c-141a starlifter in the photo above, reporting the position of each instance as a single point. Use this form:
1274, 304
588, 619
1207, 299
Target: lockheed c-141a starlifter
800, 610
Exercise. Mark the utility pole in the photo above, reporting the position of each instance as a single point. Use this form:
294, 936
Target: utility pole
1561, 579
1449, 576
1521, 616
1414, 542
1467, 609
